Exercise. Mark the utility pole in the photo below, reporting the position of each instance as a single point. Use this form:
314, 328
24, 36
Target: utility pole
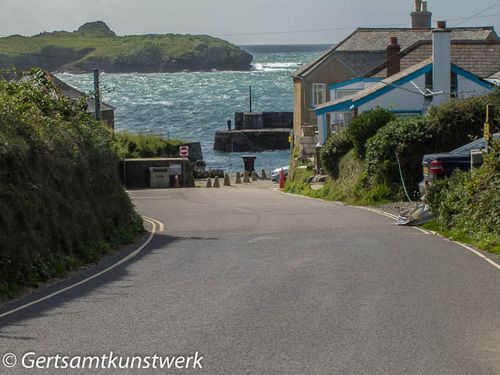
490, 121
97, 95
250, 89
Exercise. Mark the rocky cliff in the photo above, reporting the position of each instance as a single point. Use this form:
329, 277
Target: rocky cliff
95, 45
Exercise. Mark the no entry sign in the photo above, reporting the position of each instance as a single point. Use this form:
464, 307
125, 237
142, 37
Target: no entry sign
184, 151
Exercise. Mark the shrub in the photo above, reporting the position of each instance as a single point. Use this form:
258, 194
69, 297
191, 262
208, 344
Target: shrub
366, 126
409, 139
335, 147
458, 122
469, 204
61, 203
130, 145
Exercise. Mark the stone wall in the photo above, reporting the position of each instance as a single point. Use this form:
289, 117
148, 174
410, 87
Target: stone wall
263, 120
252, 140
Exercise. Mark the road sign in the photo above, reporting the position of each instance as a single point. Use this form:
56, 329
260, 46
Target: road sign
184, 151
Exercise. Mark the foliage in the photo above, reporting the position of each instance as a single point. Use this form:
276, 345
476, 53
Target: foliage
408, 139
335, 147
467, 205
458, 122
61, 203
366, 125
129, 145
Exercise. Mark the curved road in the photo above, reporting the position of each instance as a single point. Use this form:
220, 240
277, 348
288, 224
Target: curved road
263, 283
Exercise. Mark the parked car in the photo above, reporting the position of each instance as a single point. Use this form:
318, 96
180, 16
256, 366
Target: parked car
442, 165
275, 175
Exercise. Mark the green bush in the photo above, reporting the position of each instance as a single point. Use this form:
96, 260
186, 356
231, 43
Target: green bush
129, 145
335, 147
468, 204
366, 125
458, 122
61, 202
407, 138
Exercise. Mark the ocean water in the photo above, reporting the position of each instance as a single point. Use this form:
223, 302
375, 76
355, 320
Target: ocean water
193, 106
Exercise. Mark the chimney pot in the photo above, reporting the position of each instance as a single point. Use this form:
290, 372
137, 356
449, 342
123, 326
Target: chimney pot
441, 25
418, 5
424, 6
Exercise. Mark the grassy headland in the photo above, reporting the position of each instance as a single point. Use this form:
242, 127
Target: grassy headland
94, 45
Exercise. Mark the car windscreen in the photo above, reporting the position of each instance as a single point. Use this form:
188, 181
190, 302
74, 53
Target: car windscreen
478, 144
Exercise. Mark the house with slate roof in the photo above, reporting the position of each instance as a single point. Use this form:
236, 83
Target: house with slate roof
369, 54
409, 92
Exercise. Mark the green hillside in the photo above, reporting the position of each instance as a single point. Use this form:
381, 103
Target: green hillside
94, 45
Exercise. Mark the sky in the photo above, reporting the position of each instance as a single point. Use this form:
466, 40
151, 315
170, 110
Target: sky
240, 22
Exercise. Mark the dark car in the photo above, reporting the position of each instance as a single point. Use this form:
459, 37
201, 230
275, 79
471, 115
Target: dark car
437, 166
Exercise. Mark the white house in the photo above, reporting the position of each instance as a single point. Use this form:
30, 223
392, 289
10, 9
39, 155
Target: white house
408, 92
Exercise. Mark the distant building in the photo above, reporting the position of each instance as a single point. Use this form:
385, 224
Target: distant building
107, 111
368, 55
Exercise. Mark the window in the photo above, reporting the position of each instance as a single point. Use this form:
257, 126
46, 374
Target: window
318, 94
339, 120
342, 93
454, 83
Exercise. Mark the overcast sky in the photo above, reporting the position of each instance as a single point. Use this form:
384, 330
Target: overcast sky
239, 21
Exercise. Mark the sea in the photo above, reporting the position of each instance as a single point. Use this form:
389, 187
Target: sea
192, 106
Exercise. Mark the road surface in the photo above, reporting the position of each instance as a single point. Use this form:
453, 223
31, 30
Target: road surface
258, 282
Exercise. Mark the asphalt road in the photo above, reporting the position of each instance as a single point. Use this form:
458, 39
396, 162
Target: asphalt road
263, 283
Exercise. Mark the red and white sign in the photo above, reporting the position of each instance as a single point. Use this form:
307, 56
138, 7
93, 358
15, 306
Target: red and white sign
184, 151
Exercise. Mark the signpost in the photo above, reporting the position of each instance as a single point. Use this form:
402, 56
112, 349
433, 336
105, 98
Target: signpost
184, 151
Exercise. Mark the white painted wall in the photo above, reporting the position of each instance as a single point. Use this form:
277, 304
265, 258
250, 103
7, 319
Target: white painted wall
406, 98
468, 88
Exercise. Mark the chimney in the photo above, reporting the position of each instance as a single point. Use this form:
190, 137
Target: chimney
421, 18
393, 57
441, 63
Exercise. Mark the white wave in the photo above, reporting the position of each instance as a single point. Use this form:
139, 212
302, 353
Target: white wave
275, 66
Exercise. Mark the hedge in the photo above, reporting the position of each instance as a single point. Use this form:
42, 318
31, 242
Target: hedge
61, 202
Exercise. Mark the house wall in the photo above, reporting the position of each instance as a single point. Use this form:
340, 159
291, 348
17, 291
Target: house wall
468, 88
406, 98
332, 70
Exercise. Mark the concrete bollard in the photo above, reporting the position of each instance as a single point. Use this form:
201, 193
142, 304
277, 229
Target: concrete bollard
216, 182
209, 183
238, 178
227, 181
255, 177
246, 177
264, 175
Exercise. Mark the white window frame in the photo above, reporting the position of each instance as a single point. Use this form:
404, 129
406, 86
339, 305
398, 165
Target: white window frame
318, 94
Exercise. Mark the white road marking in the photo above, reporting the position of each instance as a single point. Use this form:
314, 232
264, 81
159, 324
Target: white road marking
386, 214
124, 260
478, 254
421, 230
161, 226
